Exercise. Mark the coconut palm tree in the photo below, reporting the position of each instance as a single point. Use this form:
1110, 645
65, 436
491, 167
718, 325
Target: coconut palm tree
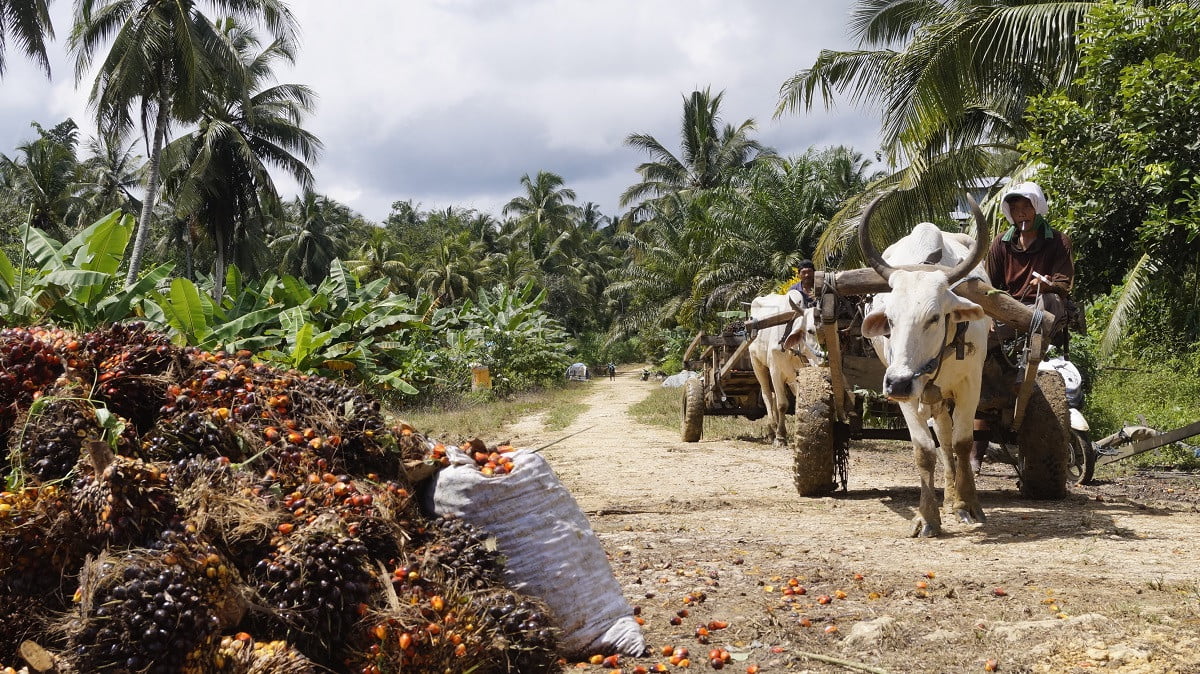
453, 270
710, 154
951, 80
28, 23
44, 179
380, 257
163, 56
109, 177
313, 236
221, 171
542, 212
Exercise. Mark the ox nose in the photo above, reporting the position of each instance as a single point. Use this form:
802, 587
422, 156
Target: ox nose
897, 386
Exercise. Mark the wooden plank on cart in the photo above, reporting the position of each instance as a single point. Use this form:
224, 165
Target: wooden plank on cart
733, 359
833, 349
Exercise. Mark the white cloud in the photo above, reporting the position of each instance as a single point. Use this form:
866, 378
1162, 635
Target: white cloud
450, 102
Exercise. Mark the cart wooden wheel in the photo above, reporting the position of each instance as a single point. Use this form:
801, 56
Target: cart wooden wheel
1043, 441
814, 443
693, 410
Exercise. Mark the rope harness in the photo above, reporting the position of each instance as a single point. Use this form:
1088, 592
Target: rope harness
934, 365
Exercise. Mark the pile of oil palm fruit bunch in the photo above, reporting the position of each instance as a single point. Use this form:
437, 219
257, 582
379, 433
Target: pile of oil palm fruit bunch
166, 509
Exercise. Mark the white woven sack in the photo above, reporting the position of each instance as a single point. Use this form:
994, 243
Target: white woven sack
550, 549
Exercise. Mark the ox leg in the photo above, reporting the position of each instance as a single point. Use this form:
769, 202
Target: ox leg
928, 521
967, 507
942, 425
783, 382
763, 374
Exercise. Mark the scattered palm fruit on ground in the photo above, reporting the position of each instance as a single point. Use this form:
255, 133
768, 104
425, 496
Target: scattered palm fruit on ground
166, 509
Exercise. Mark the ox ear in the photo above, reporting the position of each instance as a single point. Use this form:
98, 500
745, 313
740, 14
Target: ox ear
794, 339
962, 310
875, 324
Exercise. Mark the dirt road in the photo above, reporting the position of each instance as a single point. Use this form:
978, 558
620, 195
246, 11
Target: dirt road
716, 529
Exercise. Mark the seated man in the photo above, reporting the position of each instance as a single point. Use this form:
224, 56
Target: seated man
807, 271
1029, 260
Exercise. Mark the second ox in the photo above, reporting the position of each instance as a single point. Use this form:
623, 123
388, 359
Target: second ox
778, 352
933, 344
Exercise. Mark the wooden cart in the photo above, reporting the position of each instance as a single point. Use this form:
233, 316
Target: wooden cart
726, 385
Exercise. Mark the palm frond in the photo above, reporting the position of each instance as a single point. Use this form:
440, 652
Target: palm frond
1136, 280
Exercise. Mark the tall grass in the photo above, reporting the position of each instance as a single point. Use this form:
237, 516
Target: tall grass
1166, 392
662, 408
487, 419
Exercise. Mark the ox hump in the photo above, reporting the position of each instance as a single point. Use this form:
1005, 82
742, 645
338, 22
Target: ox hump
923, 245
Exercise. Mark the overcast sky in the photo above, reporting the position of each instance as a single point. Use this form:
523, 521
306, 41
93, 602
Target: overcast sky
450, 102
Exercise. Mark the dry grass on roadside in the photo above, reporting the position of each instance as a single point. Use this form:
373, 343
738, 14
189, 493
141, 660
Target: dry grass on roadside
662, 408
466, 418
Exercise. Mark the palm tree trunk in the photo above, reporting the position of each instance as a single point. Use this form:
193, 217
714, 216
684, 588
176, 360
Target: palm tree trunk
219, 265
189, 264
143, 230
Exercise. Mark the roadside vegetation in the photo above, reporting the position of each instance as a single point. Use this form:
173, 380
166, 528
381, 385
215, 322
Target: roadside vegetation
92, 232
482, 415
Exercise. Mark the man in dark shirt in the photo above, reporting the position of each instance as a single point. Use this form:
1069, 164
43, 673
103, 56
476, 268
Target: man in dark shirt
807, 272
1030, 259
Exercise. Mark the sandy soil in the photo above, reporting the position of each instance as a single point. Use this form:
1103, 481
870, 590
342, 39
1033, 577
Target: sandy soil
1105, 580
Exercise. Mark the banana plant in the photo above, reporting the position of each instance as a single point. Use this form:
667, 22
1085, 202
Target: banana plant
77, 282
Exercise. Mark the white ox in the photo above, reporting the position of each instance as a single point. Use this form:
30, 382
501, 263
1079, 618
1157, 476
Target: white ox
913, 329
778, 352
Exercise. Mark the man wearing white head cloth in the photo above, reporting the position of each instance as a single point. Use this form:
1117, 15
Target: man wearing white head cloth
1031, 245
1029, 259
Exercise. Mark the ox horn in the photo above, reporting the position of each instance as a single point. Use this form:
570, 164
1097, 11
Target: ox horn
979, 246
872, 256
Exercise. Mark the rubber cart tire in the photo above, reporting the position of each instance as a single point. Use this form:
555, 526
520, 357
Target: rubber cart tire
693, 410
1043, 441
814, 443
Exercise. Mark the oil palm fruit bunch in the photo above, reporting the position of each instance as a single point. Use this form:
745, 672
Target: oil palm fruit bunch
36, 558
375, 513
216, 579
315, 585
29, 363
121, 501
184, 435
453, 548
51, 438
140, 612
242, 654
131, 366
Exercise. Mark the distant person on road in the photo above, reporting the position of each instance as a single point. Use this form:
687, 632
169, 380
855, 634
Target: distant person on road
612, 371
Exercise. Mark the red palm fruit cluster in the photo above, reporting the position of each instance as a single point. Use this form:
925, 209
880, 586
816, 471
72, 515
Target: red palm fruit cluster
130, 365
29, 363
490, 460
488, 634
